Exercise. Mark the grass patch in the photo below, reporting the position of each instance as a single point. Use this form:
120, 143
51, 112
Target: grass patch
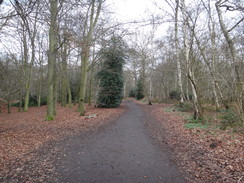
195, 125
49, 118
192, 120
168, 109
185, 107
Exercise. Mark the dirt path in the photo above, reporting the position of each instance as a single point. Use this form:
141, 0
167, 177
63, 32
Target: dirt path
122, 152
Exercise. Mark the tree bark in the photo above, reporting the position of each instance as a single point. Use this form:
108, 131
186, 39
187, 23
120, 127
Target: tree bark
69, 93
90, 88
64, 77
40, 86
26, 71
86, 54
179, 74
190, 73
20, 101
52, 58
82, 92
238, 83
211, 69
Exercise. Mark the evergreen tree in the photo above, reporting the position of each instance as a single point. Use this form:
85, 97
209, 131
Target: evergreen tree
111, 79
139, 90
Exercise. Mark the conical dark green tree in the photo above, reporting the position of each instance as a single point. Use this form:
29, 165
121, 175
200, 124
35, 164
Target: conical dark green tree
110, 76
139, 90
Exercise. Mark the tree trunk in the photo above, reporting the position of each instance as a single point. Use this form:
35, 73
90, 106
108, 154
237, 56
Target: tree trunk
211, 69
52, 58
190, 74
86, 53
40, 91
180, 88
64, 77
196, 103
20, 101
97, 91
82, 93
238, 83
90, 88
26, 73
187, 90
91, 76
69, 94
55, 90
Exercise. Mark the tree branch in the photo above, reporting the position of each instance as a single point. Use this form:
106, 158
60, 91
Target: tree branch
236, 25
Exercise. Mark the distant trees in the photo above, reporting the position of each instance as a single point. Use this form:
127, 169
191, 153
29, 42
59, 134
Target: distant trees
111, 74
49, 49
10, 79
56, 54
200, 58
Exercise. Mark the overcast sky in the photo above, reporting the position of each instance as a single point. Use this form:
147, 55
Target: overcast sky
127, 10
136, 10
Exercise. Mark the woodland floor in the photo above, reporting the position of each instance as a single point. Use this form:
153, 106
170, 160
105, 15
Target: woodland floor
207, 155
28, 147
26, 139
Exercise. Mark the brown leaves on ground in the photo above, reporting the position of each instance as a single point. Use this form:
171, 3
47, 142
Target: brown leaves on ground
206, 155
23, 133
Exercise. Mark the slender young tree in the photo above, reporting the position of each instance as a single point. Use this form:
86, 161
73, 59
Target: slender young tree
180, 88
189, 63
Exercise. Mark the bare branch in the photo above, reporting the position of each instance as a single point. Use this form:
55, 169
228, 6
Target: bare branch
236, 25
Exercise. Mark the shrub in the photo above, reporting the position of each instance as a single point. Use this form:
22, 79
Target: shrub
174, 94
32, 102
185, 107
229, 119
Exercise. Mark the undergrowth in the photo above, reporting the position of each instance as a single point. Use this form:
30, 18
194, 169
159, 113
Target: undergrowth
196, 125
221, 119
229, 119
185, 107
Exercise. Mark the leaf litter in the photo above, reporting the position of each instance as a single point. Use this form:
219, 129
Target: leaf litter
204, 155
26, 145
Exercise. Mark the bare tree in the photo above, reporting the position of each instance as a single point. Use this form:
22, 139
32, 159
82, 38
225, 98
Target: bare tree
238, 81
180, 88
93, 13
189, 62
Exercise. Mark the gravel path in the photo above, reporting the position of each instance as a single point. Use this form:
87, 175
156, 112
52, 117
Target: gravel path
121, 152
